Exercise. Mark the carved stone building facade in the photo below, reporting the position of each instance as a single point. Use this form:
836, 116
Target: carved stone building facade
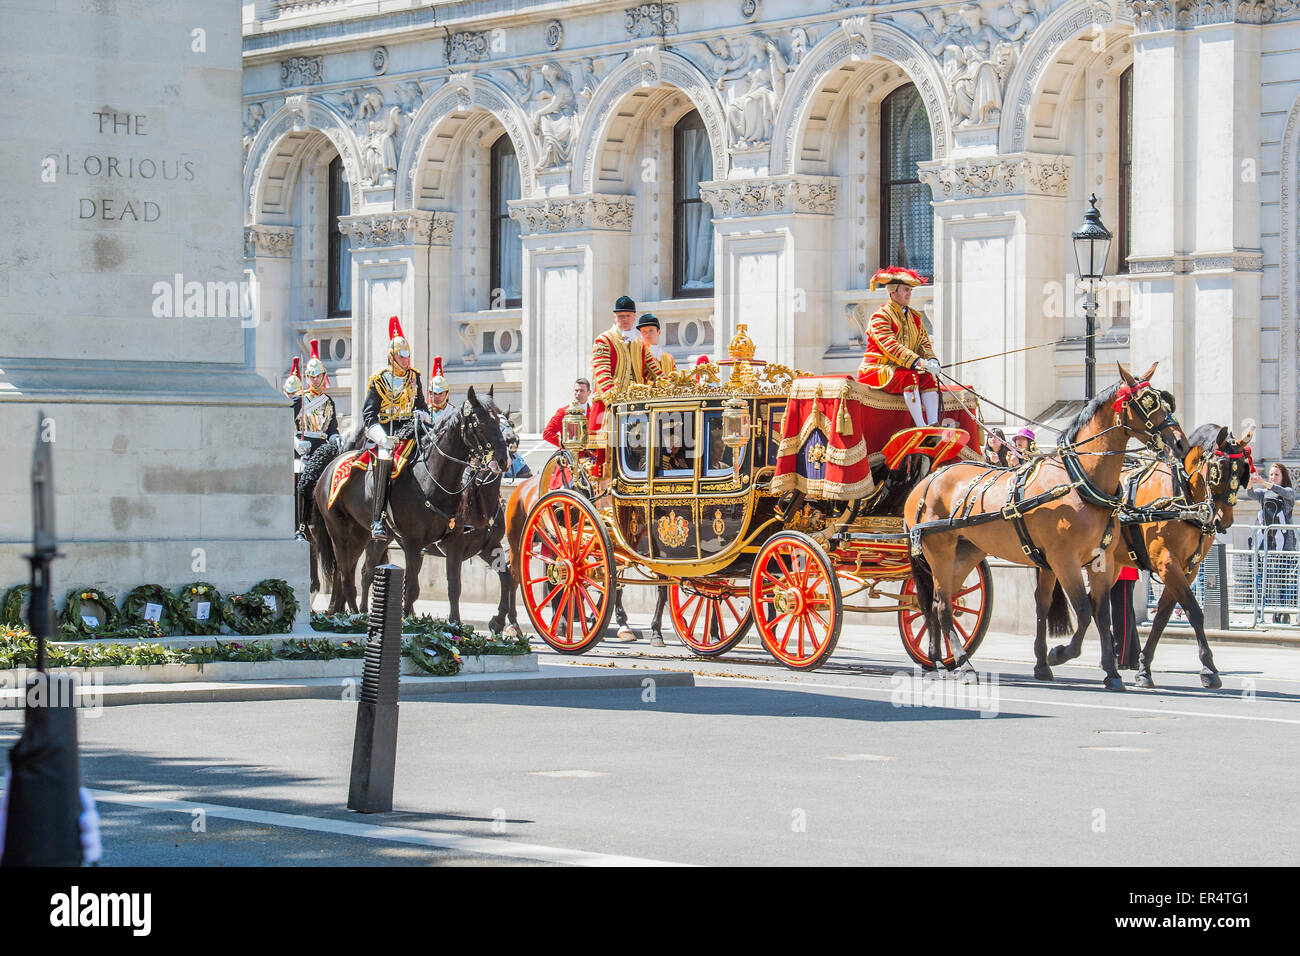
498, 172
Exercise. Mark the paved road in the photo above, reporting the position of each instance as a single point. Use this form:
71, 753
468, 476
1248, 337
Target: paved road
754, 765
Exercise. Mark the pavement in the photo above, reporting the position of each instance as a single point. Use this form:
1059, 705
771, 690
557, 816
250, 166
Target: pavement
861, 762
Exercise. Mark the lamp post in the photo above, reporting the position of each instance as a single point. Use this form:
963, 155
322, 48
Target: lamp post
1091, 246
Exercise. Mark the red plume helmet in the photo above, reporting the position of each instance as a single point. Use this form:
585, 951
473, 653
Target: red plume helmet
437, 365
293, 384
297, 369
314, 365
394, 328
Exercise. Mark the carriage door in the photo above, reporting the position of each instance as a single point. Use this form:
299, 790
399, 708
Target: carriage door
674, 511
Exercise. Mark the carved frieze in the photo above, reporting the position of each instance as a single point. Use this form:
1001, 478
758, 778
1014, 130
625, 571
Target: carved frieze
573, 213
268, 242
769, 195
413, 227
975, 178
651, 19
555, 97
1150, 16
468, 46
749, 71
301, 71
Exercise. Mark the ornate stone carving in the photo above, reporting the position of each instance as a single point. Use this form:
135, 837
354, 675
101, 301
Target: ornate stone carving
463, 84
554, 97
771, 195
379, 60
413, 227
749, 73
468, 46
409, 96
1289, 282
1150, 16
554, 35
573, 213
268, 242
1238, 261
858, 30
749, 9
1075, 24
301, 71
977, 45
1035, 174
360, 104
254, 116
651, 19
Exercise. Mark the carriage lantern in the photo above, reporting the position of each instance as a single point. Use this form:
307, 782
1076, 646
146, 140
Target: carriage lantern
735, 422
1091, 246
574, 434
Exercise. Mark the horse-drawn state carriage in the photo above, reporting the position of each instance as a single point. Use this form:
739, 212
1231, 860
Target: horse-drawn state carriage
764, 498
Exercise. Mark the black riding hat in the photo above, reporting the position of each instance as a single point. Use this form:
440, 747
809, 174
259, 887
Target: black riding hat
624, 304
649, 319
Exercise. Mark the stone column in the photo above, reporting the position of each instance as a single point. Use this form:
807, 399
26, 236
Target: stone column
268, 254
576, 251
401, 265
772, 264
1196, 257
1000, 234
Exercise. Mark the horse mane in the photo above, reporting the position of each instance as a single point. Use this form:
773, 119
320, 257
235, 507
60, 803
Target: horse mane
1106, 397
1206, 436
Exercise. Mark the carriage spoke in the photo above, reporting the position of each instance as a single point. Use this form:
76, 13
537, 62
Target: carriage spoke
591, 601
699, 606
785, 638
823, 620
568, 604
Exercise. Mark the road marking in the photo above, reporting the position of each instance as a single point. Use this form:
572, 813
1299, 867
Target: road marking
1127, 733
369, 831
878, 758
583, 774
1121, 750
1002, 699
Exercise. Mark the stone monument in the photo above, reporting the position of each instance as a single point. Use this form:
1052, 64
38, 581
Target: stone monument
123, 303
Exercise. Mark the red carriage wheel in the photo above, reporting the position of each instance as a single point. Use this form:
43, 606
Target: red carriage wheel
567, 572
972, 606
795, 597
710, 619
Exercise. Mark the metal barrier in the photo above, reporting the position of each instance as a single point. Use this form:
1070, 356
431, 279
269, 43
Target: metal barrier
1263, 582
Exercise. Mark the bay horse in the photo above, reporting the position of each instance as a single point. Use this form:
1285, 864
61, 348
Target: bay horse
423, 500
1056, 512
1216, 468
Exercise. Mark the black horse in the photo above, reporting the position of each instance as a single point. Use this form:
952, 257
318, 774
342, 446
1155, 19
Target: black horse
423, 501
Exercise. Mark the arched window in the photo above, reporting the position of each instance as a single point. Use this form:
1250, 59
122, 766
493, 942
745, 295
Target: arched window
692, 216
906, 219
507, 250
1124, 237
340, 247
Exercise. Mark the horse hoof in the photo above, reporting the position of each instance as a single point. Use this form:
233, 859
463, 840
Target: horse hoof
1042, 672
969, 675
1211, 680
1114, 683
1143, 680
1056, 656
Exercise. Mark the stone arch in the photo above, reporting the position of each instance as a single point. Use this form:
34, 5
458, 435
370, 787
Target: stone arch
842, 51
1289, 286
1056, 50
275, 157
652, 68
462, 94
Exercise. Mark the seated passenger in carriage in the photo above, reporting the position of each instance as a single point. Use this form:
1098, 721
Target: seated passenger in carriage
899, 358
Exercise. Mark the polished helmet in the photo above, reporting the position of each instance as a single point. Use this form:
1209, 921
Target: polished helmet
314, 365
438, 382
293, 384
397, 344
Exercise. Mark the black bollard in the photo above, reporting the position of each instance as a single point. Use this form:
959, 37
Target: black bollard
374, 748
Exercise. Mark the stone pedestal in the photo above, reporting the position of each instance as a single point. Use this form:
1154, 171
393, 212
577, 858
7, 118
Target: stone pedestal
124, 316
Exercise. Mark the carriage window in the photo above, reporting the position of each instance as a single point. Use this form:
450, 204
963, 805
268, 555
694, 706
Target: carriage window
675, 444
721, 459
634, 433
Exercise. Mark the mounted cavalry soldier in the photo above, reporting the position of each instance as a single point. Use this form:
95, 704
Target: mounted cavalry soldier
315, 422
619, 356
439, 387
899, 358
393, 397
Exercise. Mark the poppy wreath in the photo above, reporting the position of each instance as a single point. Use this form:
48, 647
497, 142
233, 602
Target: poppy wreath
11, 610
247, 614
286, 605
87, 602
138, 599
184, 607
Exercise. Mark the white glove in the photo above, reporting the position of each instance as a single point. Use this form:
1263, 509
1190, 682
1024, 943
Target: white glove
933, 367
423, 416
302, 445
377, 435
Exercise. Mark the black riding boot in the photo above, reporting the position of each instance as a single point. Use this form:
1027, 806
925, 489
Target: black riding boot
383, 468
299, 513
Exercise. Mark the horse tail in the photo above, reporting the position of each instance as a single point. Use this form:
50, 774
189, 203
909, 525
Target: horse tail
1058, 615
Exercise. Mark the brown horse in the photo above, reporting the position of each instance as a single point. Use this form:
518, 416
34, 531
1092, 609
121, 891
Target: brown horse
1216, 468
1057, 513
423, 500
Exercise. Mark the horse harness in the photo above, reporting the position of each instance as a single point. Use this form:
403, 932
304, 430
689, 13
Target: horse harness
480, 455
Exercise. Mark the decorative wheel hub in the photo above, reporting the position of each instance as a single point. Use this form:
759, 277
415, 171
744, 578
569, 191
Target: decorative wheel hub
559, 572
787, 601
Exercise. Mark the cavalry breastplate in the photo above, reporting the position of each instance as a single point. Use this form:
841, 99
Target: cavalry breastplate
396, 395
314, 417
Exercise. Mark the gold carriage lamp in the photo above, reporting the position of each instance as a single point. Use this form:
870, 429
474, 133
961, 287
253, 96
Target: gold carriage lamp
735, 422
573, 434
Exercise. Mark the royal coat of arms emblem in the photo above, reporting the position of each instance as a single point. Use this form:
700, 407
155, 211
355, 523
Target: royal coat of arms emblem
673, 530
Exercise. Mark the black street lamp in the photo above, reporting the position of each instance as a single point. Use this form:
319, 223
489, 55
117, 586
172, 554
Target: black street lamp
1091, 246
